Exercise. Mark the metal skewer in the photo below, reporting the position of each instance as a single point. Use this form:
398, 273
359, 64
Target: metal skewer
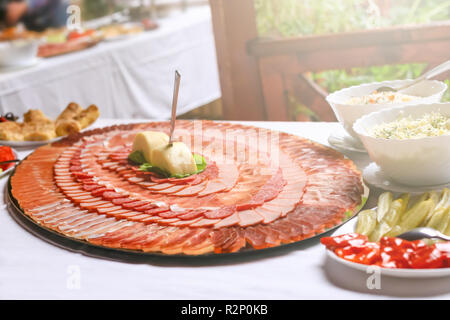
174, 106
9, 161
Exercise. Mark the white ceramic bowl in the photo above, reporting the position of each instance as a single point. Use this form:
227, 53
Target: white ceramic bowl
18, 53
413, 162
430, 91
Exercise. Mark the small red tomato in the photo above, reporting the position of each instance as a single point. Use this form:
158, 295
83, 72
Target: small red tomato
6, 154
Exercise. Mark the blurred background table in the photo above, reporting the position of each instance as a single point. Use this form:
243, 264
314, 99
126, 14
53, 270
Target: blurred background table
128, 78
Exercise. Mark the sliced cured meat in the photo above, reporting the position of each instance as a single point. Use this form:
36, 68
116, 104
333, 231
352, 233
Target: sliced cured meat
272, 238
113, 238
145, 207
134, 204
155, 211
190, 190
111, 195
232, 241
106, 210
174, 242
268, 215
255, 237
100, 191
159, 187
227, 177
213, 187
192, 214
204, 223
249, 217
228, 221
172, 189
220, 213
92, 205
248, 196
168, 214
184, 223
121, 200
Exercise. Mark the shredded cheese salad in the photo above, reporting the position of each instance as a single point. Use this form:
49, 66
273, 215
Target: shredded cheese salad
386, 97
429, 125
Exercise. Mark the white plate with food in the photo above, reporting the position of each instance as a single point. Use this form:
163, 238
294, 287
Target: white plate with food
374, 176
116, 32
393, 217
37, 129
349, 227
27, 144
7, 171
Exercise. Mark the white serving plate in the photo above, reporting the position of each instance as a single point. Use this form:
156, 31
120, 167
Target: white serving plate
341, 140
27, 144
349, 227
374, 176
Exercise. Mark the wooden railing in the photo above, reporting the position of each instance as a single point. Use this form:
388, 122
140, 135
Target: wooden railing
260, 76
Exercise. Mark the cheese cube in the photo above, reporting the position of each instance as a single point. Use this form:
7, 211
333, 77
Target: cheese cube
176, 159
147, 141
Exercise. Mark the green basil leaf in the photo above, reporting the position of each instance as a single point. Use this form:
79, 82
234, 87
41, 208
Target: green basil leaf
200, 162
137, 157
179, 176
145, 166
149, 168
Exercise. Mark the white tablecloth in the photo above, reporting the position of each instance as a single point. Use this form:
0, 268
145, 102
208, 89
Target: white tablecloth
130, 78
31, 268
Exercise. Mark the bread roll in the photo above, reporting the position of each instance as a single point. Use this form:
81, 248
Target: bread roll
70, 112
36, 117
33, 131
37, 127
66, 127
88, 116
65, 123
11, 131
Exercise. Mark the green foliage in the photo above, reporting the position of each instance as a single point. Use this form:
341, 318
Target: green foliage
286, 18
290, 18
337, 79
91, 9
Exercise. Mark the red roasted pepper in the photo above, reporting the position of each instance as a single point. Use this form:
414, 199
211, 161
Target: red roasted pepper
389, 252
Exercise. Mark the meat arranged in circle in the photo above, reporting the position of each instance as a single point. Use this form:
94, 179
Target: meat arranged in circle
260, 189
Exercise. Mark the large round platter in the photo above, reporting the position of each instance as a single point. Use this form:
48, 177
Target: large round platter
257, 195
349, 227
